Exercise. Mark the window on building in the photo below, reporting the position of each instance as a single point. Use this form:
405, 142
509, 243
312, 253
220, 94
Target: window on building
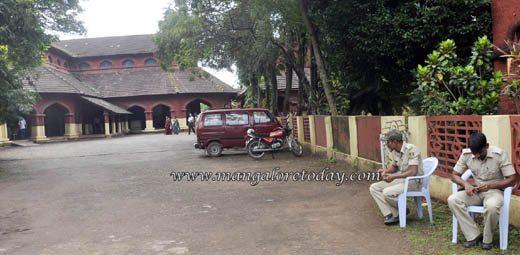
58, 62
65, 64
214, 119
105, 64
49, 59
150, 61
128, 62
84, 66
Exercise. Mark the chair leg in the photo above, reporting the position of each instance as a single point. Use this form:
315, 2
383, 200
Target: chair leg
503, 223
454, 229
401, 203
418, 206
429, 203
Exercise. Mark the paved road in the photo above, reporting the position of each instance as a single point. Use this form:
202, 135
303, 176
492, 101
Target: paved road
116, 196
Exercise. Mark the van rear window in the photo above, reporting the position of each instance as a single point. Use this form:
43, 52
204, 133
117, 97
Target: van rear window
237, 118
213, 119
262, 117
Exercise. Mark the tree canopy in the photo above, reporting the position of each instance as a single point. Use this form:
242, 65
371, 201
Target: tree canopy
24, 37
372, 47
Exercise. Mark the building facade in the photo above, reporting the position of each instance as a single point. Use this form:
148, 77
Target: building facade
114, 85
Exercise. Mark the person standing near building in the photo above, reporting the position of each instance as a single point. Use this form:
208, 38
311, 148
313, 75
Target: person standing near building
22, 125
492, 171
167, 126
175, 125
405, 158
191, 124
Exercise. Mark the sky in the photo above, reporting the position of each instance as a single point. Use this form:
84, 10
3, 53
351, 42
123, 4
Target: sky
129, 17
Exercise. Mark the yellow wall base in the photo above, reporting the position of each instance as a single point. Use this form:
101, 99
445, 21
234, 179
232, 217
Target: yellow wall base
149, 126
38, 134
71, 131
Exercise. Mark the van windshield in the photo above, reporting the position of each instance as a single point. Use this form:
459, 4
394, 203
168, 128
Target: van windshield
262, 117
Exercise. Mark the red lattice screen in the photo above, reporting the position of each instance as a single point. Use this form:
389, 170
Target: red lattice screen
295, 126
447, 136
515, 147
306, 130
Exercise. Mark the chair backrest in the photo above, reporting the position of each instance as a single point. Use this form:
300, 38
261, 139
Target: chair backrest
429, 166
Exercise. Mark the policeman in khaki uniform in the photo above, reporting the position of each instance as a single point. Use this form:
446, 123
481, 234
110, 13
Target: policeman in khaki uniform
405, 158
492, 171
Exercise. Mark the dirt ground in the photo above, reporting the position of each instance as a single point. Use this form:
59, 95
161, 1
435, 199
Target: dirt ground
116, 196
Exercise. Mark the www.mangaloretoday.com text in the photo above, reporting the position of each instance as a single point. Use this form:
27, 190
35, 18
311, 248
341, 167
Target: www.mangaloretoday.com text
275, 175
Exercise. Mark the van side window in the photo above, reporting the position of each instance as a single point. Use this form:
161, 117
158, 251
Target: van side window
237, 119
214, 119
262, 117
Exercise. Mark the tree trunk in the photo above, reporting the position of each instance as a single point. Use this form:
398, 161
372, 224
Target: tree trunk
302, 4
267, 93
288, 88
274, 87
256, 91
300, 97
300, 70
314, 86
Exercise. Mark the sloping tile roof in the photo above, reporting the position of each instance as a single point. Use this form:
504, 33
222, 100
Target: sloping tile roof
107, 46
50, 80
106, 105
151, 81
281, 80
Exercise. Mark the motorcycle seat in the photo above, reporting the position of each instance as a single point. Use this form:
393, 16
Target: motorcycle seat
261, 135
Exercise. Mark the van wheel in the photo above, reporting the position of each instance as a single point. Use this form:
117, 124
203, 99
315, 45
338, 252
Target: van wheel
214, 149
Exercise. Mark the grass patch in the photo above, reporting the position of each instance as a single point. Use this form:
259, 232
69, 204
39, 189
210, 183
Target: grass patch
435, 238
326, 161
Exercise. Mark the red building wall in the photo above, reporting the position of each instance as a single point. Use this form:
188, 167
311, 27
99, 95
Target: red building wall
95, 62
176, 103
506, 21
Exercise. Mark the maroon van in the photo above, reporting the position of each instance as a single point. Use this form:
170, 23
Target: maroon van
227, 128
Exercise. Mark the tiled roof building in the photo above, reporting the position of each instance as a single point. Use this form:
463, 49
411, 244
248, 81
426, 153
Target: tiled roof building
113, 85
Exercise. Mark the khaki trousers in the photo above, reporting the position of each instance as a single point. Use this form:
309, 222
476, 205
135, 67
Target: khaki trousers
492, 201
385, 194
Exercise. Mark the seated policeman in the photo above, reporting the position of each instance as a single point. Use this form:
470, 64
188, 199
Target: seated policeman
489, 165
405, 158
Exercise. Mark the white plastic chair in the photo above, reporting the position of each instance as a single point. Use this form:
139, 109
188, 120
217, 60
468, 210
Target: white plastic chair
504, 213
429, 166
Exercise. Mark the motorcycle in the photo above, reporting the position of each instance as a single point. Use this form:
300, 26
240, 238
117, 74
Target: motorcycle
258, 144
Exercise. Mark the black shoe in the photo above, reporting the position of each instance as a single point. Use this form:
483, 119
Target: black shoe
389, 220
487, 246
474, 242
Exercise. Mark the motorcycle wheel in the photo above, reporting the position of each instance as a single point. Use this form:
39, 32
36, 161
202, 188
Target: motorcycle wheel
252, 154
297, 148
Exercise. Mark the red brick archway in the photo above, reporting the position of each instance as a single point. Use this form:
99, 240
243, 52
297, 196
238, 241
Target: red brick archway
56, 116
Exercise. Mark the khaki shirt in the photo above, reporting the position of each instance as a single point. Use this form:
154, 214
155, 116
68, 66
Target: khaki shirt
493, 168
408, 156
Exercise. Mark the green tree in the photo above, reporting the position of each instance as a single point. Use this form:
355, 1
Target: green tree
371, 47
24, 37
257, 36
445, 87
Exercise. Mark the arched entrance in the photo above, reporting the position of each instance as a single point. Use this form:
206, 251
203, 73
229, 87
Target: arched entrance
197, 106
55, 120
93, 120
137, 119
159, 114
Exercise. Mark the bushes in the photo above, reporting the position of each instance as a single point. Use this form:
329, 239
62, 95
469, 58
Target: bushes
444, 86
